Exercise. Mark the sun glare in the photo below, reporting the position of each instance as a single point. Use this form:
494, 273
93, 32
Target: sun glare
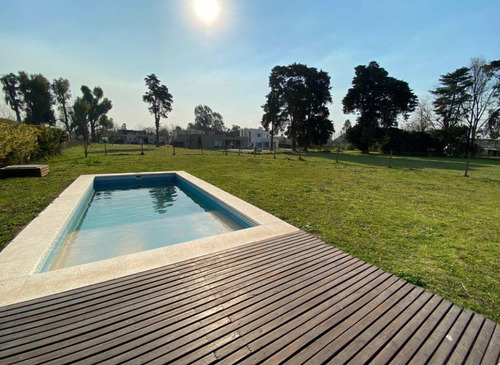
207, 10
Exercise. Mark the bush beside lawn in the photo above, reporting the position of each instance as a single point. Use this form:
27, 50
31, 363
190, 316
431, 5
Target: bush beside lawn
421, 220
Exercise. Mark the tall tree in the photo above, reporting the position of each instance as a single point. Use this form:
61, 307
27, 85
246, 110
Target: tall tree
379, 100
450, 98
37, 97
159, 100
273, 119
79, 115
13, 97
483, 101
206, 119
298, 101
99, 106
62, 94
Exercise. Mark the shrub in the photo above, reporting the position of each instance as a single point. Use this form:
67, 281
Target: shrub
20, 143
50, 141
17, 142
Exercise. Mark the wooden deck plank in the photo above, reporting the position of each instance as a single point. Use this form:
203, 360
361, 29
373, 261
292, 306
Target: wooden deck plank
339, 337
205, 261
427, 349
406, 332
375, 343
129, 301
492, 353
451, 339
360, 340
422, 334
192, 273
253, 318
466, 341
483, 339
299, 315
71, 340
291, 299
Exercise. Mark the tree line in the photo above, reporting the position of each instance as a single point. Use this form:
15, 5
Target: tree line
32, 98
466, 104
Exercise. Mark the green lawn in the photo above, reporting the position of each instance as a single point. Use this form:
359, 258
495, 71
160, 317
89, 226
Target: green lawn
420, 220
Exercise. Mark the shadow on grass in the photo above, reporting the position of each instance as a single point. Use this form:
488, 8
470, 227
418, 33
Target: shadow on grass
415, 163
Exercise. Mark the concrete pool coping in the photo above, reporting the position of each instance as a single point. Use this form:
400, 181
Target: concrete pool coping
20, 260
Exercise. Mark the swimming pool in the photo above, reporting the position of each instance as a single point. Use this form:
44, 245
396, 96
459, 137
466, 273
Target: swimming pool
22, 260
129, 214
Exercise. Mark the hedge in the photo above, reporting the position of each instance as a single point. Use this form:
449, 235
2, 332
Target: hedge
22, 143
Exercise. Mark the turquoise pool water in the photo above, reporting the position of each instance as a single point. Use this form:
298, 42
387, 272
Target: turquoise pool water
135, 214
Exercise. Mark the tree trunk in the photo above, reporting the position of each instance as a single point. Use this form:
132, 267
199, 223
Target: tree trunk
271, 147
157, 125
92, 132
466, 173
18, 114
66, 120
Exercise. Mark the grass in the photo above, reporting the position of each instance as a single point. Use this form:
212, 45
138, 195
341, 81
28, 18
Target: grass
421, 220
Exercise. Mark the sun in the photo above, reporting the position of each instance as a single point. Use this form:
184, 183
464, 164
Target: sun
207, 10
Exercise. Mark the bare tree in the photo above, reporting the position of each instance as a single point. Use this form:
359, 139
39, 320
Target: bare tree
484, 99
422, 119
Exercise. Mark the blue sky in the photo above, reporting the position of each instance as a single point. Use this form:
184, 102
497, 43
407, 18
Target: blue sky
226, 64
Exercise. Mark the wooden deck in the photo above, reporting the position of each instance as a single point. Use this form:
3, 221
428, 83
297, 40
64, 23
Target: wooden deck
290, 300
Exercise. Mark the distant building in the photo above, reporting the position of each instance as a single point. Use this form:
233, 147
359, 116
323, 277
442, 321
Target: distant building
134, 137
208, 141
259, 138
489, 147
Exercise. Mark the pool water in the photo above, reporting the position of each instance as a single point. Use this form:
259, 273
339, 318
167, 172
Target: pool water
125, 217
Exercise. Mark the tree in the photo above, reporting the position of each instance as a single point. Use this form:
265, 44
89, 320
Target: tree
98, 108
79, 115
13, 97
159, 100
206, 120
38, 100
298, 101
450, 97
422, 118
483, 101
492, 127
273, 119
379, 100
347, 125
62, 94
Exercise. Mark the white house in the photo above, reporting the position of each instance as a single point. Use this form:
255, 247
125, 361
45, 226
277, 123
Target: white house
259, 138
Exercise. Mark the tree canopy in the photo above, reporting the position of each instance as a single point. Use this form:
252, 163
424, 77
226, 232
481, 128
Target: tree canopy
206, 119
62, 93
99, 106
379, 100
79, 115
298, 102
451, 96
159, 99
38, 99
13, 97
